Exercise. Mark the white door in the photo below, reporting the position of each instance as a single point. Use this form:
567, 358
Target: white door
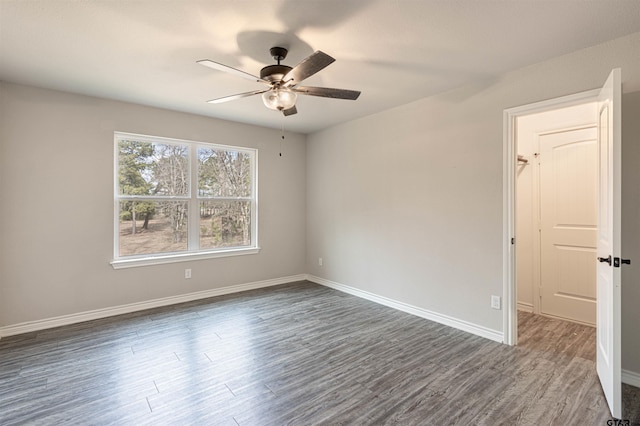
609, 247
568, 222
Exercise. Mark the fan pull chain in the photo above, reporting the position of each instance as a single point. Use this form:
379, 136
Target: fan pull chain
282, 139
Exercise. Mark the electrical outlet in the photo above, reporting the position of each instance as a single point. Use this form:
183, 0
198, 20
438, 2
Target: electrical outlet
319, 261
187, 273
495, 302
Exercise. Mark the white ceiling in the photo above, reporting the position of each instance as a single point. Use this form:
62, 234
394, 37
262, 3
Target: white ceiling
394, 51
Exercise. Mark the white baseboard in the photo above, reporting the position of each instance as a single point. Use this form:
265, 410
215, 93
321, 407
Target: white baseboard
525, 307
27, 327
423, 313
631, 378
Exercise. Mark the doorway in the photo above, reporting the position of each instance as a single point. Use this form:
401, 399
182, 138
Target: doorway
609, 227
556, 212
510, 117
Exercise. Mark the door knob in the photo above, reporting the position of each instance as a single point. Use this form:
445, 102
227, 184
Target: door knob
605, 259
617, 261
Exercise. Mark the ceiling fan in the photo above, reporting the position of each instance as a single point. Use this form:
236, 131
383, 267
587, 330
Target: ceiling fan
283, 81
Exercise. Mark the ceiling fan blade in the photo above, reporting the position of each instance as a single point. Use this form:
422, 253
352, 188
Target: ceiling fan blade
290, 111
327, 92
308, 67
221, 67
234, 97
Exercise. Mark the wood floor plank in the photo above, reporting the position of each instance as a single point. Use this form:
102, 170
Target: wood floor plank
299, 354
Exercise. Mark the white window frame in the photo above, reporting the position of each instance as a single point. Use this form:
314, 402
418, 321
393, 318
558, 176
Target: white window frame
193, 251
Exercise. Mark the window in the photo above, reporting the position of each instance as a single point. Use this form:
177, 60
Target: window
179, 200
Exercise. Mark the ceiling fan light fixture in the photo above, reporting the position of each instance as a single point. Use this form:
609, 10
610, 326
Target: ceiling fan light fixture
279, 99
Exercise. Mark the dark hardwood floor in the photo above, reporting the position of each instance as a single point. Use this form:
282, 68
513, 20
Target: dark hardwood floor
298, 354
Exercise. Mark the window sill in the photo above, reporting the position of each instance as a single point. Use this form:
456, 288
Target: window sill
181, 257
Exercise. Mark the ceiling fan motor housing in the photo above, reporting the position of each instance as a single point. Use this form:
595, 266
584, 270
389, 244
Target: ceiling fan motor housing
273, 73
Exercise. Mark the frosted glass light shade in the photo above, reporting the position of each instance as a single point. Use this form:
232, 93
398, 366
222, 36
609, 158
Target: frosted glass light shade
279, 99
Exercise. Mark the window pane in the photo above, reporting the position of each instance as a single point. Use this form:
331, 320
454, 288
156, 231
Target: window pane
149, 168
148, 227
223, 173
225, 224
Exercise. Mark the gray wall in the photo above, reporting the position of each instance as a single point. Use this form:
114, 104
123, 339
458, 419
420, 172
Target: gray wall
631, 231
407, 203
56, 209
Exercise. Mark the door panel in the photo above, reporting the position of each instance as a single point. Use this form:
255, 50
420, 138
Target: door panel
568, 210
608, 340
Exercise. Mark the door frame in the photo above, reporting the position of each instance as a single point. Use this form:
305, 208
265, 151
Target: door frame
509, 152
